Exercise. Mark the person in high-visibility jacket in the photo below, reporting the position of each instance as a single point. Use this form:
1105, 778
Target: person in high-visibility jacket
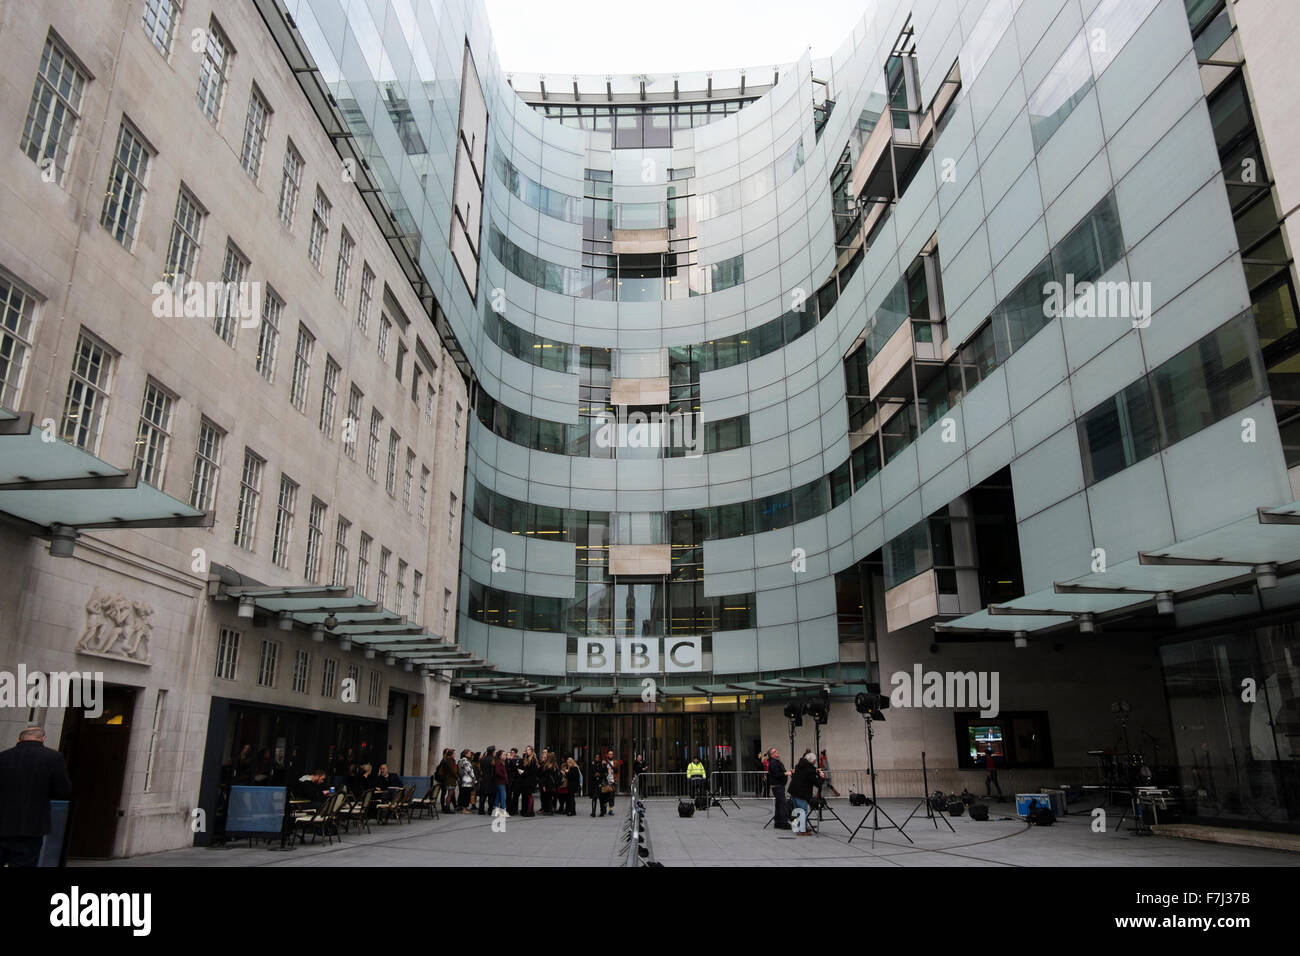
696, 775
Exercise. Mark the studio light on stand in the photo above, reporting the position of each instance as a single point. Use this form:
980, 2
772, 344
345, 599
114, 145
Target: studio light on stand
871, 706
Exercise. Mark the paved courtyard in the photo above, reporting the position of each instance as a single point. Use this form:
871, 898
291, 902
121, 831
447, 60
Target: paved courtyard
736, 838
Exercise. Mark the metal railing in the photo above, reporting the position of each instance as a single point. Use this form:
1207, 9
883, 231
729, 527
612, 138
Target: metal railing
636, 849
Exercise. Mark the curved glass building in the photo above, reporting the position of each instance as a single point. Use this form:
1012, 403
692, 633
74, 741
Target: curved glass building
962, 351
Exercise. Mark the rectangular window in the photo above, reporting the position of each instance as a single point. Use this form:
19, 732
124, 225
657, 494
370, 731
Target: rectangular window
328, 681
285, 506
344, 266
268, 336
301, 368
416, 375
315, 535
354, 675
390, 476
372, 450
430, 394
207, 467
250, 493
86, 403
385, 327
255, 125
17, 322
363, 564
424, 495
124, 194
159, 21
301, 670
451, 518
417, 586
227, 653
214, 72
1208, 381
329, 397
401, 587
446, 612
408, 479
381, 585
1119, 432
352, 423
290, 184
1064, 87
152, 435
55, 109
341, 531
183, 248
376, 685
320, 228
367, 292
401, 360
234, 270
266, 663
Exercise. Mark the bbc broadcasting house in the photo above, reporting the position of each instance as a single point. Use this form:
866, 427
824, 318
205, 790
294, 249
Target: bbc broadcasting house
359, 398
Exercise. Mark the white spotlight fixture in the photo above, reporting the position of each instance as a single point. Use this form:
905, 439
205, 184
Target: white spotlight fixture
1266, 576
1086, 624
318, 633
409, 666
345, 643
246, 608
286, 621
370, 653
1165, 602
1022, 639
62, 540
390, 659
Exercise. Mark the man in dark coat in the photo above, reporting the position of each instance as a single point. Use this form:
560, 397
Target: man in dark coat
31, 775
777, 777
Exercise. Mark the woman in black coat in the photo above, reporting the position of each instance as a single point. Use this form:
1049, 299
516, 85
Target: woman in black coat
572, 775
529, 772
486, 781
806, 778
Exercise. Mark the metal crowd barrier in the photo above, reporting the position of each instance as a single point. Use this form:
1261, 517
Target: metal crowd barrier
636, 850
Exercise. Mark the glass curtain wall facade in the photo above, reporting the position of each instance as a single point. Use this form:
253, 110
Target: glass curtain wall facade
1024, 273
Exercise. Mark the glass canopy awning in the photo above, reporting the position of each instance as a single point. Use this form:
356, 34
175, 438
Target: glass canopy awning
1202, 578
54, 489
521, 687
340, 613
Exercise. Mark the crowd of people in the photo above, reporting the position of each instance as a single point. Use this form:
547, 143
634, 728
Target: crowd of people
510, 783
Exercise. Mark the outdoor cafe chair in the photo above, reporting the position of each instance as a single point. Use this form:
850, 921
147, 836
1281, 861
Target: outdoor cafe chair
359, 811
324, 819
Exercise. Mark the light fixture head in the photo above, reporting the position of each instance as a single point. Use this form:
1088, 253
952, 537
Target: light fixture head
409, 666
1022, 639
345, 643
62, 540
1266, 576
318, 633
246, 608
286, 621
331, 621
370, 653
390, 659
1165, 602
1087, 624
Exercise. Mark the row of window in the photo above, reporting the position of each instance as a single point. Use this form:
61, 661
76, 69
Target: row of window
47, 139
598, 205
632, 278
623, 432
300, 676
625, 609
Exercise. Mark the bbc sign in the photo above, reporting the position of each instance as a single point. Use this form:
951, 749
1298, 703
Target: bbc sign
640, 655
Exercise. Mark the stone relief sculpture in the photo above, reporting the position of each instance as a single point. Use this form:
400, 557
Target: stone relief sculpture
117, 627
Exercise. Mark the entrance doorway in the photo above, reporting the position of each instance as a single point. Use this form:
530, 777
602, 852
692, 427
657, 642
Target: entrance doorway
667, 742
95, 750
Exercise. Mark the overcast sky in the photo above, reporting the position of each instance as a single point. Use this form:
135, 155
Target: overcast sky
632, 36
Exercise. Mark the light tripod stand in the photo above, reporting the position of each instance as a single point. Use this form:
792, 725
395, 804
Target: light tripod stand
822, 805
925, 802
870, 711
